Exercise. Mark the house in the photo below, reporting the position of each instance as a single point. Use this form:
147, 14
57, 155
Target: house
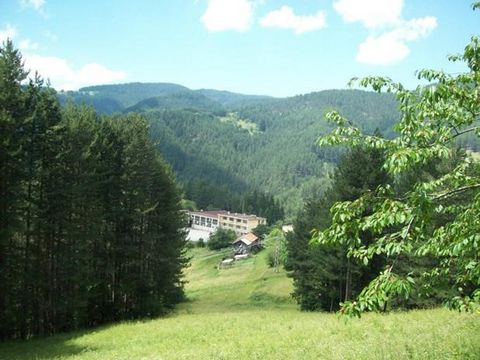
242, 224
247, 243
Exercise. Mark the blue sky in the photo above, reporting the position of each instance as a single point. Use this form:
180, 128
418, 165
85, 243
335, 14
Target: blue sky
272, 47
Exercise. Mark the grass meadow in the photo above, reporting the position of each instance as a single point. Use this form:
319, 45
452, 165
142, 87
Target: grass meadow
246, 312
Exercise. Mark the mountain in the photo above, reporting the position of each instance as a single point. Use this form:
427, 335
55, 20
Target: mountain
231, 99
180, 100
115, 98
268, 145
107, 99
223, 144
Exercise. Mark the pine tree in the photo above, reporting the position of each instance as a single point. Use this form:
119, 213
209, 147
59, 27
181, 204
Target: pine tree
12, 174
91, 226
323, 275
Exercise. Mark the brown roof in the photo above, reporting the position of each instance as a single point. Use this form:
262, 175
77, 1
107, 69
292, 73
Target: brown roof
247, 239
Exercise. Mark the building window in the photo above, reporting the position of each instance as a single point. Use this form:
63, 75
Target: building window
215, 221
244, 221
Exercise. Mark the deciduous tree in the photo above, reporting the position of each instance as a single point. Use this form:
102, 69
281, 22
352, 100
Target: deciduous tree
438, 217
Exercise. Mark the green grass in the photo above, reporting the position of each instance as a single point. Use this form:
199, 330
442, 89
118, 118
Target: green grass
235, 120
245, 312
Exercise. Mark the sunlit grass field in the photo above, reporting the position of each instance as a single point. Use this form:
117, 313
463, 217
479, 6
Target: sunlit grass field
246, 312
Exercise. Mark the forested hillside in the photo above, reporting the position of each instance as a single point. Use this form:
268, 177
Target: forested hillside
269, 146
223, 144
115, 98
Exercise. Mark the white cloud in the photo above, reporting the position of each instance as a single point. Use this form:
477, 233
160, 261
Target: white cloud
389, 32
416, 28
371, 13
222, 15
390, 47
51, 36
382, 50
8, 33
27, 44
35, 4
64, 77
285, 18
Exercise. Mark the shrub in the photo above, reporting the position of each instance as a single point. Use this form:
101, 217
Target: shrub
221, 238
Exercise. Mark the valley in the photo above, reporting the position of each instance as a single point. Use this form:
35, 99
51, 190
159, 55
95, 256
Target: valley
246, 312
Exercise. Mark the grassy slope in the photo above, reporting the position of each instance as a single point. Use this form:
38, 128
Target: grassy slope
245, 312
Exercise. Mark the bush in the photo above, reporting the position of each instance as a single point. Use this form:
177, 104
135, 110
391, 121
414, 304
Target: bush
262, 230
221, 238
271, 258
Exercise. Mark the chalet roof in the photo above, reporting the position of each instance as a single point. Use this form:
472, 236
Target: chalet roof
247, 239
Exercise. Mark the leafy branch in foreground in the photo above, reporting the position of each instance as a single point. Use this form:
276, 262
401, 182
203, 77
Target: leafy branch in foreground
438, 217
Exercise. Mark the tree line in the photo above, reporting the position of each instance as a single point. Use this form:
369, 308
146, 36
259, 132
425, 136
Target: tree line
209, 196
90, 221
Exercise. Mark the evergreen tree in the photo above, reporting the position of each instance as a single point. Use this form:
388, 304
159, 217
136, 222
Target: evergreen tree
221, 238
323, 275
12, 174
91, 225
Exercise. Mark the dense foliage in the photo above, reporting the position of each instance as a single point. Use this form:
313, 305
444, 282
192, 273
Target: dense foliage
221, 238
90, 223
269, 147
437, 217
324, 275
209, 196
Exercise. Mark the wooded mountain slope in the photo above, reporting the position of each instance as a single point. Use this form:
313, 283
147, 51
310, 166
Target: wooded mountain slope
241, 142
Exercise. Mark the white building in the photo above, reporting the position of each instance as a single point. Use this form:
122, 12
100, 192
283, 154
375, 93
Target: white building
210, 220
204, 220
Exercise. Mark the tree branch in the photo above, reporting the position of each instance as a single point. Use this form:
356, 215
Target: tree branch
458, 133
455, 192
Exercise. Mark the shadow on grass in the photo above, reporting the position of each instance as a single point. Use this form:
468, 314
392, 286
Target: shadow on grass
43, 348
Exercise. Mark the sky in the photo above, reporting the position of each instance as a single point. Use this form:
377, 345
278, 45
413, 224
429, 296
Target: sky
269, 47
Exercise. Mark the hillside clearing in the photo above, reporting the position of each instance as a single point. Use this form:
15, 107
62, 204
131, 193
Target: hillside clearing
245, 312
